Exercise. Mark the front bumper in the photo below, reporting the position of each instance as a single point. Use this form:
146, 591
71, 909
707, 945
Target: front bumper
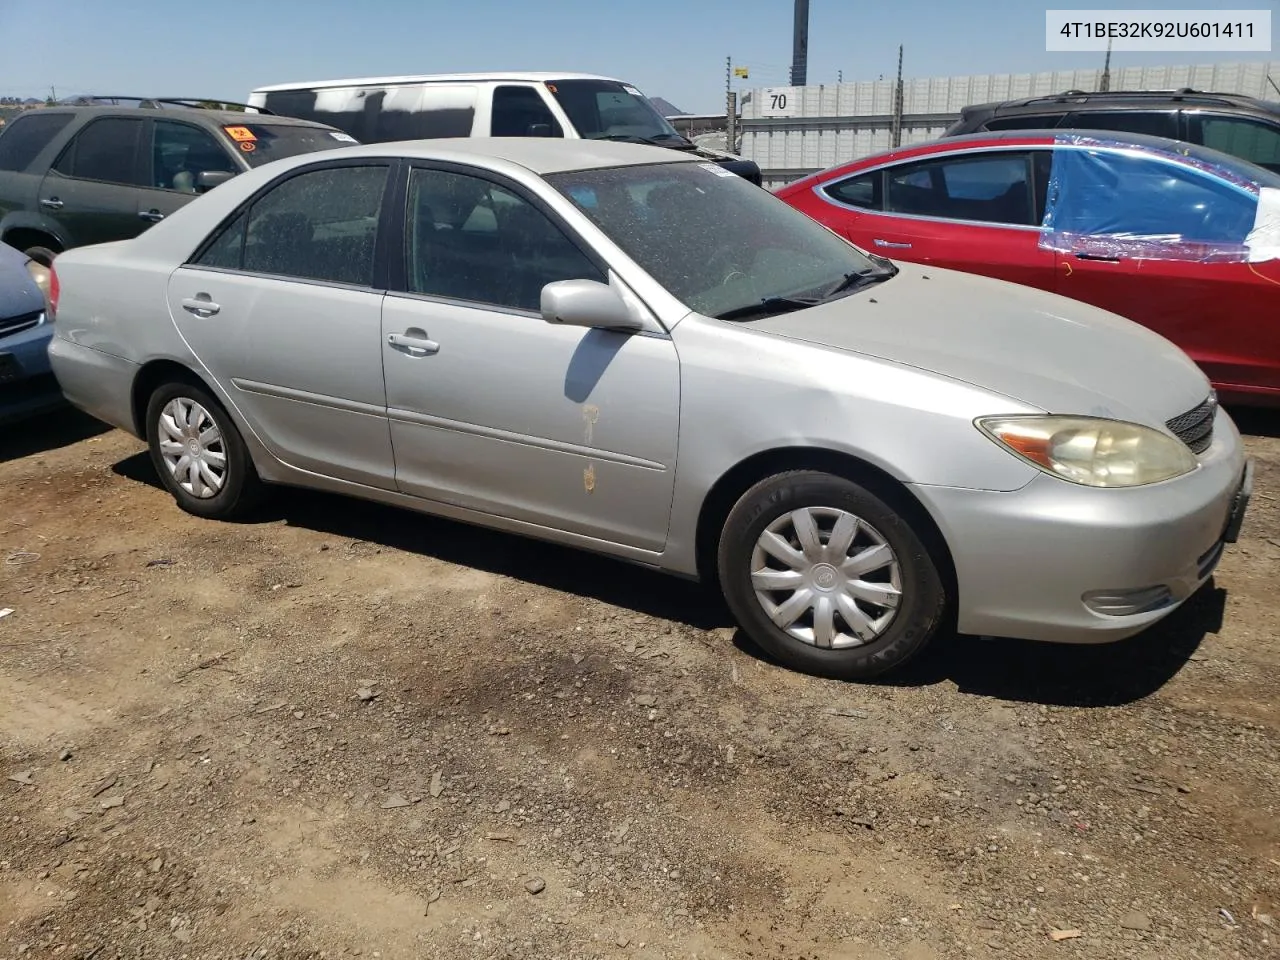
1027, 560
26, 386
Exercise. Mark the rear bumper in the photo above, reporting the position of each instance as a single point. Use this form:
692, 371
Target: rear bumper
98, 383
1059, 562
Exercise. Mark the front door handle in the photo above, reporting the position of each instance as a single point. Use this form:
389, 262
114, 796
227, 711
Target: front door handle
155, 216
414, 342
893, 244
1097, 257
201, 305
53, 203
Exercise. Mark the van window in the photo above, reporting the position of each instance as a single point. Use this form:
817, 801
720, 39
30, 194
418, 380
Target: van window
521, 112
386, 113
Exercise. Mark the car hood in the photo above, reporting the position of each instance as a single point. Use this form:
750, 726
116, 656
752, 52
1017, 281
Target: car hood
18, 292
1050, 352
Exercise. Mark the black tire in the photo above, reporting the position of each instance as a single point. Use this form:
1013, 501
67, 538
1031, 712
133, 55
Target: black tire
919, 612
241, 489
41, 255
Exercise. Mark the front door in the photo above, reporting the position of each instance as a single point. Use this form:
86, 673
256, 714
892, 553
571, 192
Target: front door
1163, 245
495, 410
282, 309
176, 153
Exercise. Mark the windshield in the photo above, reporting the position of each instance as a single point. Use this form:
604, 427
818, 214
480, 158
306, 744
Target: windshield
261, 143
717, 242
606, 109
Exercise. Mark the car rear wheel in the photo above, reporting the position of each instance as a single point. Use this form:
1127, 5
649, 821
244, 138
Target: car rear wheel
828, 577
199, 454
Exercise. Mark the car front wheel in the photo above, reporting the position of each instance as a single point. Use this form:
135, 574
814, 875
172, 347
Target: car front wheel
199, 454
828, 577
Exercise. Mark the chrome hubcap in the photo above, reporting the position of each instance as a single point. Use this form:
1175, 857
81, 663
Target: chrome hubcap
826, 577
192, 448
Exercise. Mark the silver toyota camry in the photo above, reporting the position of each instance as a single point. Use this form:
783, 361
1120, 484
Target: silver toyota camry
630, 351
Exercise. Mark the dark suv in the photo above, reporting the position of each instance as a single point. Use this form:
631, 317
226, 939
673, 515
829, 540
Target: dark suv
1233, 123
97, 171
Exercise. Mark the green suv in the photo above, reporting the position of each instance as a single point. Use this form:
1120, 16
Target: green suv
100, 170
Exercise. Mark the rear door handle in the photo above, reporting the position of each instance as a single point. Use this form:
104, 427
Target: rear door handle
155, 216
893, 244
414, 342
201, 306
53, 203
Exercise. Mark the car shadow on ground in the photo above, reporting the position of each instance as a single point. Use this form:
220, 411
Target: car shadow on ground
49, 431
1016, 670
1256, 421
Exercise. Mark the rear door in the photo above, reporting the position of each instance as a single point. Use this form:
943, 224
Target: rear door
21, 142
978, 212
92, 190
1162, 244
284, 308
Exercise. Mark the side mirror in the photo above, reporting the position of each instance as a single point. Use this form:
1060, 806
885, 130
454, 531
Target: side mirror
208, 179
539, 129
586, 303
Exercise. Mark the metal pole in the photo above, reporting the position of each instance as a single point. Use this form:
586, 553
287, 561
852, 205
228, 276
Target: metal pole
1106, 71
731, 127
896, 134
800, 45
839, 76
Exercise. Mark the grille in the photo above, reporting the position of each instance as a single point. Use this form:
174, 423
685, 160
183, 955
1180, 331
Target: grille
18, 324
1195, 427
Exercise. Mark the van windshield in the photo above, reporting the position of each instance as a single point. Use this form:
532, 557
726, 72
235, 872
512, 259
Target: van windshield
609, 110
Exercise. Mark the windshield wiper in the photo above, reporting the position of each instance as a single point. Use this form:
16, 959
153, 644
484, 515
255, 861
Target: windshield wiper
621, 137
862, 278
767, 307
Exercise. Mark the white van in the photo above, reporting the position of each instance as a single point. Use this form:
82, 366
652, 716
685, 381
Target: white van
571, 105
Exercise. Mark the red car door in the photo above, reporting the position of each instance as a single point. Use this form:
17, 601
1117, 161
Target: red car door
978, 212
1166, 250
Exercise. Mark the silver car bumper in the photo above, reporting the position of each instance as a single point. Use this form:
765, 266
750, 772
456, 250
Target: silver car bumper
96, 382
1065, 563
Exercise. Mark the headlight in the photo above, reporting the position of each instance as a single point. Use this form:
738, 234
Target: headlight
1092, 451
40, 274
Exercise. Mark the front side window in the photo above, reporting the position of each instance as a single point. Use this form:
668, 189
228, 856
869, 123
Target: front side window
1248, 139
105, 150
986, 188
521, 112
25, 136
471, 239
608, 110
1132, 197
181, 152
715, 241
318, 225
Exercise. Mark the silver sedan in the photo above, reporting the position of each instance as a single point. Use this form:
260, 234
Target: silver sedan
634, 352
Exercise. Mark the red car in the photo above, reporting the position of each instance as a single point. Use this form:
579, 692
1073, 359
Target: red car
1182, 239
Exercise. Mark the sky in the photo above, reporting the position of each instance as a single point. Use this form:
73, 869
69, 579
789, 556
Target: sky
675, 49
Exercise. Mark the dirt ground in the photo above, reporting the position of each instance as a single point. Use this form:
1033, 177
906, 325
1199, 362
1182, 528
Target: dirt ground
346, 730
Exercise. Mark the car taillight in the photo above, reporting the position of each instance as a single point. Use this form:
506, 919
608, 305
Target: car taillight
54, 291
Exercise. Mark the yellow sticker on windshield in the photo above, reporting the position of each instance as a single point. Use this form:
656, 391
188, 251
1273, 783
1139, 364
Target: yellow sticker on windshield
241, 134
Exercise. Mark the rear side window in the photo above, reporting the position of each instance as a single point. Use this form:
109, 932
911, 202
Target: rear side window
318, 225
987, 188
1029, 122
1156, 123
105, 150
863, 191
27, 135
521, 112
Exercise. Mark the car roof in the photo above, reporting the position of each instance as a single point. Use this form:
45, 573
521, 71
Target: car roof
215, 117
540, 155
501, 77
1081, 99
